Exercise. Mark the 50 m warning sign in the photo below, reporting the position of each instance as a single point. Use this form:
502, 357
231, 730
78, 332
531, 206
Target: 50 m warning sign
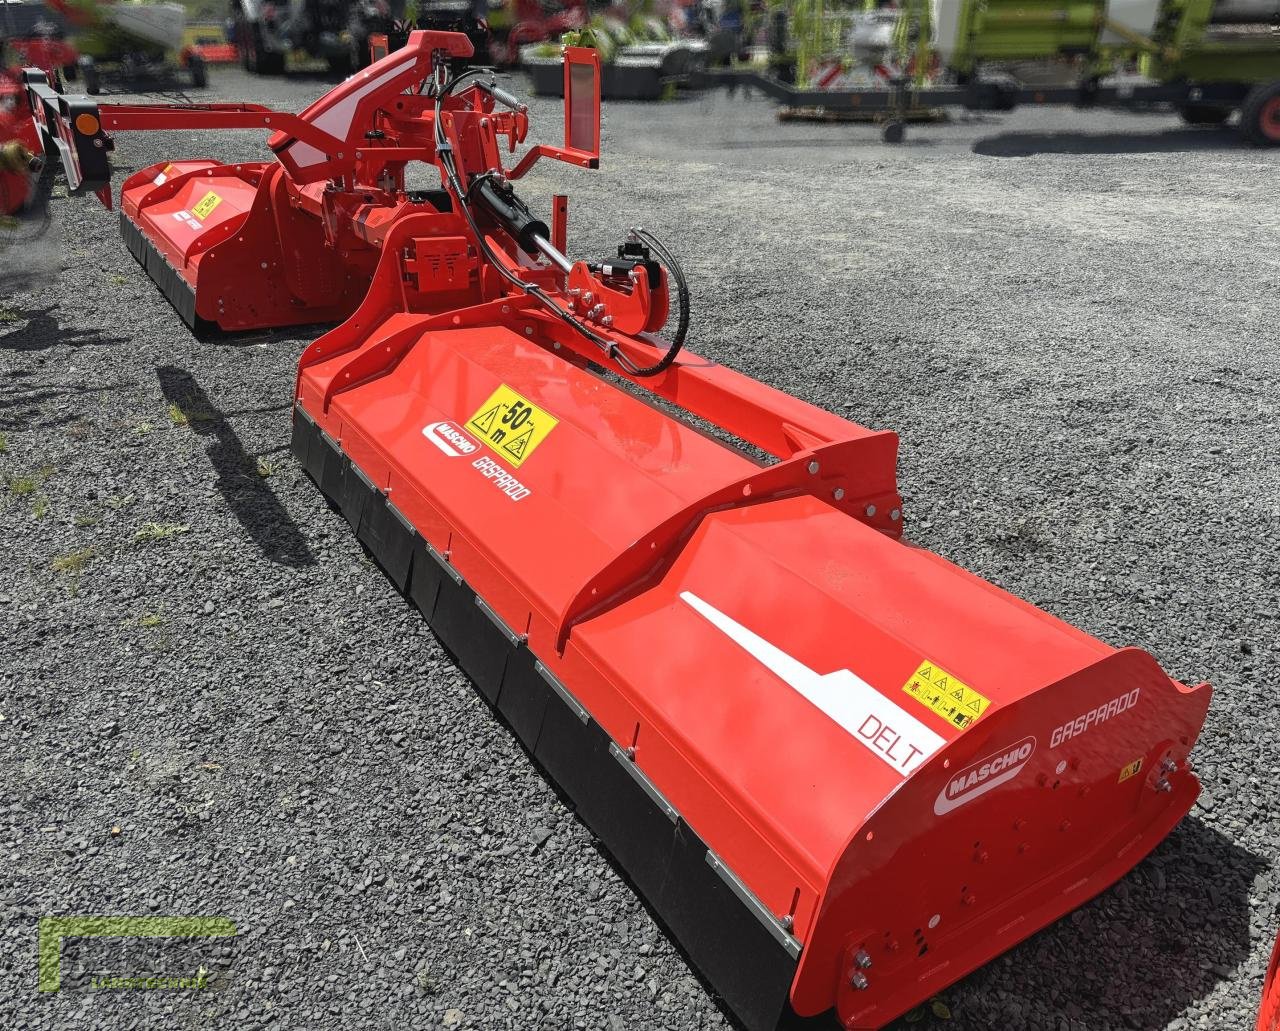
511, 425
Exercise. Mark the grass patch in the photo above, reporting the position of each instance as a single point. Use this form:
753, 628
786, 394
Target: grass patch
9, 315
27, 484
160, 531
119, 501
4, 443
119, 280
266, 468
83, 521
180, 416
150, 620
41, 508
73, 562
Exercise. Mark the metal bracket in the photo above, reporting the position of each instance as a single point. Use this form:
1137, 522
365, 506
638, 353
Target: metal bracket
443, 562
515, 639
576, 706
762, 912
401, 518
649, 788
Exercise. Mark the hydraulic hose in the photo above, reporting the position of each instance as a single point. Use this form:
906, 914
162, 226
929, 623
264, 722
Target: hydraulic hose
512, 214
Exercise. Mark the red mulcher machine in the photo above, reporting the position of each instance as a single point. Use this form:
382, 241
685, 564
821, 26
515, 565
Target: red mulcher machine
843, 771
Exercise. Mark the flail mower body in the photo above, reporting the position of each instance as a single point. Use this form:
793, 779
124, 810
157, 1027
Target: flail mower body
842, 770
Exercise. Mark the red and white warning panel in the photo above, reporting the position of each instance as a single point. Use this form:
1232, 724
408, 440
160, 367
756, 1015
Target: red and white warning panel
897, 769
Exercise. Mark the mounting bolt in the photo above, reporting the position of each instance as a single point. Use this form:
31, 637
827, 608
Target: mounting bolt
607, 320
588, 297
859, 981
895, 515
813, 468
871, 510
787, 921
1163, 784
838, 493
1168, 766
596, 312
862, 959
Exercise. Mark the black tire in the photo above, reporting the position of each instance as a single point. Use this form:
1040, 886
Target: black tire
1260, 115
254, 55
89, 72
199, 71
893, 131
1205, 114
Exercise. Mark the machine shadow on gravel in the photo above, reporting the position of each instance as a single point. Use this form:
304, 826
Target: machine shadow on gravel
38, 330
252, 501
1149, 946
1172, 141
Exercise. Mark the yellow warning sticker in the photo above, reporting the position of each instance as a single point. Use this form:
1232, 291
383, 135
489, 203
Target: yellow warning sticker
205, 205
948, 696
1133, 769
511, 425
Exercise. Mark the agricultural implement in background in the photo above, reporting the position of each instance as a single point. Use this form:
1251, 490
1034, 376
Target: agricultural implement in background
1209, 59
127, 43
843, 771
335, 31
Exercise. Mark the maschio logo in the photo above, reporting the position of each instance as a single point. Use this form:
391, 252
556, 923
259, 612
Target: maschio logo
996, 769
450, 438
54, 928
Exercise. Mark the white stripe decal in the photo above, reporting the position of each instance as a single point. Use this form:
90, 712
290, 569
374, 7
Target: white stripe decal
890, 733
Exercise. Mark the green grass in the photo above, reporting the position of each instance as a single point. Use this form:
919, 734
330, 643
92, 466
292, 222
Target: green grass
118, 501
9, 315
28, 483
151, 619
41, 507
83, 521
177, 416
4, 443
266, 468
160, 531
73, 562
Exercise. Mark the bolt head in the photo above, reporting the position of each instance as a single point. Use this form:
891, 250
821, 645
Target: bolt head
859, 981
813, 468
871, 511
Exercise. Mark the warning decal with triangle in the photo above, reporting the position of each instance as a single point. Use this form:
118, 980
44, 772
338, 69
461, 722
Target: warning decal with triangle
511, 425
946, 696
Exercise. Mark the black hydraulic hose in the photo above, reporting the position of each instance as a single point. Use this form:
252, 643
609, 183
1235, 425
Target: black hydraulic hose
525, 225
682, 300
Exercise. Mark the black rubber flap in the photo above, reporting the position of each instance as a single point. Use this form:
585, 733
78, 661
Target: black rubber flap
718, 927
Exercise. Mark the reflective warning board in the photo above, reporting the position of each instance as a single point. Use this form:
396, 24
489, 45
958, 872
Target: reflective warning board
203, 208
512, 426
1131, 770
948, 696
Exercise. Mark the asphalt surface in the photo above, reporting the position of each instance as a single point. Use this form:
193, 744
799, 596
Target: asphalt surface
212, 702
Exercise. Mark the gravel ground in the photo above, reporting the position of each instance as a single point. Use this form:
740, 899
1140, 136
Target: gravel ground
212, 702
